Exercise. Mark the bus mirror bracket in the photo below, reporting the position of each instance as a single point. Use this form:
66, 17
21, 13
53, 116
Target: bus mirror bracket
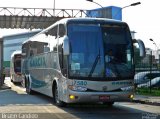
66, 45
141, 47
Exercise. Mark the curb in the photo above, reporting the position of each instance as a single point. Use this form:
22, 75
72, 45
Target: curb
146, 102
4, 87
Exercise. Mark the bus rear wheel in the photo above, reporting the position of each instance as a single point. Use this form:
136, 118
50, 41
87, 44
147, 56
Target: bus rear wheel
56, 99
28, 88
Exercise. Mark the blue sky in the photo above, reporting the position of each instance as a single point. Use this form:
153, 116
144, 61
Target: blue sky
144, 18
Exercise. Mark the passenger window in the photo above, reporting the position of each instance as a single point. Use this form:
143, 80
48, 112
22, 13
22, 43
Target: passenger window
51, 36
33, 51
24, 53
61, 30
46, 49
53, 31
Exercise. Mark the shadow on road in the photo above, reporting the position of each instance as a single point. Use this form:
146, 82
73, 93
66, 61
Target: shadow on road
10, 96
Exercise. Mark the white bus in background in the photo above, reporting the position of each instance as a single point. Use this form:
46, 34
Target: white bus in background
15, 67
66, 61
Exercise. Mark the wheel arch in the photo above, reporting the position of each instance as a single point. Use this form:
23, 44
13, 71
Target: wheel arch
53, 86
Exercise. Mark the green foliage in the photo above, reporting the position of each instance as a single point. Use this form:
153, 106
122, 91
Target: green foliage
146, 91
6, 63
137, 57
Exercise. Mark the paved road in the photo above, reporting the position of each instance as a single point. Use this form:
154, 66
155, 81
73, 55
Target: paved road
16, 104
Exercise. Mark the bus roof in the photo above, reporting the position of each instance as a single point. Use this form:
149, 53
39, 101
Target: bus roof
16, 52
66, 20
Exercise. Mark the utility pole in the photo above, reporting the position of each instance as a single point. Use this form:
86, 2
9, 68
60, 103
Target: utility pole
150, 70
54, 5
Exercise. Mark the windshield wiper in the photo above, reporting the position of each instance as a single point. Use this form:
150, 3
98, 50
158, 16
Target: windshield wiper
94, 64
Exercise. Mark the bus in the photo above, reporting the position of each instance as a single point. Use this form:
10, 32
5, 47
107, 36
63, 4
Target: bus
15, 67
66, 61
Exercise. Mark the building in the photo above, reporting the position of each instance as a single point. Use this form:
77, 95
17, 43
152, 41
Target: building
12, 43
111, 12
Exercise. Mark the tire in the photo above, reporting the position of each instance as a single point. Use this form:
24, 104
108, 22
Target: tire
110, 104
12, 78
23, 82
28, 89
56, 98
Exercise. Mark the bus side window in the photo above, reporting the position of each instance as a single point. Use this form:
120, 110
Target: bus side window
52, 36
33, 51
55, 48
53, 31
24, 52
61, 30
46, 49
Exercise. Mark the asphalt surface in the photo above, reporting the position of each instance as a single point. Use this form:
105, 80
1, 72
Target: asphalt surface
20, 105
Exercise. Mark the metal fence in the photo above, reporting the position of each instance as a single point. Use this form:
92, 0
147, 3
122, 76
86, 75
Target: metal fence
147, 72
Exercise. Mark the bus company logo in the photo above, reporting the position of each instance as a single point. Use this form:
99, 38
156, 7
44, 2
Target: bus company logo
121, 83
37, 62
104, 88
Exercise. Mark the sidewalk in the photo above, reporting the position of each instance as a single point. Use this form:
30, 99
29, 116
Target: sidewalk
5, 86
151, 100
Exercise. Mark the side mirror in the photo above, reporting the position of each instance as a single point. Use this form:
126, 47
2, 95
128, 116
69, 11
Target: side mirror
66, 47
141, 47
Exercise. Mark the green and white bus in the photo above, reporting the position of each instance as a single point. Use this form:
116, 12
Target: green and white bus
67, 61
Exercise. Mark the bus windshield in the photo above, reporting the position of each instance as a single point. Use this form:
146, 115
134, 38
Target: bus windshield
17, 63
91, 45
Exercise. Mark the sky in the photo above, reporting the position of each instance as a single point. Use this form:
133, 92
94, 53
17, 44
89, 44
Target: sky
144, 19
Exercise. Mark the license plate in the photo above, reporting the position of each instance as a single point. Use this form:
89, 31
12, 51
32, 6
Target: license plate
104, 97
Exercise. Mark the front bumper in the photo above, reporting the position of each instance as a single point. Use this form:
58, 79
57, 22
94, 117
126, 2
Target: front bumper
93, 97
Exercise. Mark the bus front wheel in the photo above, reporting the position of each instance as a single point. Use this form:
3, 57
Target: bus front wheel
110, 104
56, 99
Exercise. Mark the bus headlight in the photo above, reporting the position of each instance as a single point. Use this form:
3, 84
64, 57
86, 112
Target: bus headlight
131, 96
72, 97
77, 88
